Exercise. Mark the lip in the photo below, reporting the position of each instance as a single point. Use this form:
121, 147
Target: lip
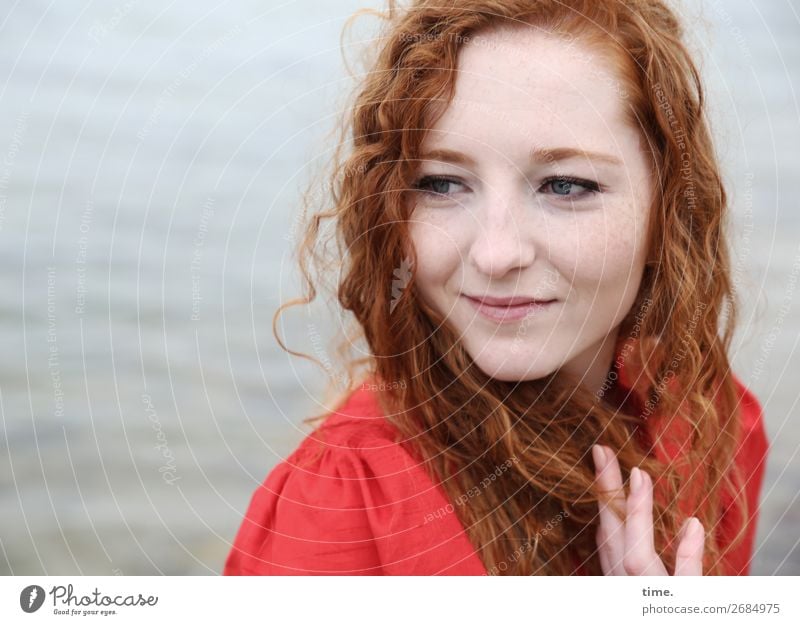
507, 301
507, 309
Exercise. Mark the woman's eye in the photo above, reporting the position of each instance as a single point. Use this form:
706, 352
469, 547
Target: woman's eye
570, 187
442, 187
435, 185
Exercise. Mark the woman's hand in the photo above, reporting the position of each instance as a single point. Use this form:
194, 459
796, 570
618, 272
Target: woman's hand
627, 547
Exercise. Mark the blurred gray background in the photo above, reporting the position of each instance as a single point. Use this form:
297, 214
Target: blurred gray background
151, 159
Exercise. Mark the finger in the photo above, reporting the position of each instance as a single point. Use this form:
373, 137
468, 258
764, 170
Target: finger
689, 556
640, 552
602, 552
609, 480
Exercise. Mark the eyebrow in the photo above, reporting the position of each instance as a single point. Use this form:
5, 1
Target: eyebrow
541, 155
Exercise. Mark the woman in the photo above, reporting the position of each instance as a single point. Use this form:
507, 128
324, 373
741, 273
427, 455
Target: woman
530, 221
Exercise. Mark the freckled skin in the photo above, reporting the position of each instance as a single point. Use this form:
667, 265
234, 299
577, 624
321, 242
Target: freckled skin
501, 231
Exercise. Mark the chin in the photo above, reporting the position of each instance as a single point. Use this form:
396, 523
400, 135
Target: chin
515, 368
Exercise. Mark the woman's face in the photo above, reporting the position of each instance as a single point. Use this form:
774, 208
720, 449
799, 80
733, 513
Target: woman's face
540, 192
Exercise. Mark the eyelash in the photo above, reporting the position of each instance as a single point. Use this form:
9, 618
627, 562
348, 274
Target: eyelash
590, 186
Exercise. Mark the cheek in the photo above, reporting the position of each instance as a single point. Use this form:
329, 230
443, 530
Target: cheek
605, 253
438, 257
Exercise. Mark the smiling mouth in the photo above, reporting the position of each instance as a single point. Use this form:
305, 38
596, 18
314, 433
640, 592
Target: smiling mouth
513, 309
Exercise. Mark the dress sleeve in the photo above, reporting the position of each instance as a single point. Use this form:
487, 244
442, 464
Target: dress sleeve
367, 508
752, 460
308, 517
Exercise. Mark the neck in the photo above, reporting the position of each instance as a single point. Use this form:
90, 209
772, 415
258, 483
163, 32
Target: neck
591, 367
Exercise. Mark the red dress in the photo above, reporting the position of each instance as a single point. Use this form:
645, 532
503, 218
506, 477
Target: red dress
359, 504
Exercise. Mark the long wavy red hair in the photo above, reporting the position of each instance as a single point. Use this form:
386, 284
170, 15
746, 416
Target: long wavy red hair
541, 516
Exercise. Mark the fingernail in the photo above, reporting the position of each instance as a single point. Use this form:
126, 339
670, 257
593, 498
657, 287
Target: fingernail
599, 457
691, 527
636, 480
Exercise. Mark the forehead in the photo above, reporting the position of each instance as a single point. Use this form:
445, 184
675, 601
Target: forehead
538, 80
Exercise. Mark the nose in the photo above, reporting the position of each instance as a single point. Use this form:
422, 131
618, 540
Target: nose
502, 241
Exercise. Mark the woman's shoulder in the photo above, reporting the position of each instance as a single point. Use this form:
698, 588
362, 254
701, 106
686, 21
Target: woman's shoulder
358, 422
753, 429
350, 499
751, 458
354, 441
